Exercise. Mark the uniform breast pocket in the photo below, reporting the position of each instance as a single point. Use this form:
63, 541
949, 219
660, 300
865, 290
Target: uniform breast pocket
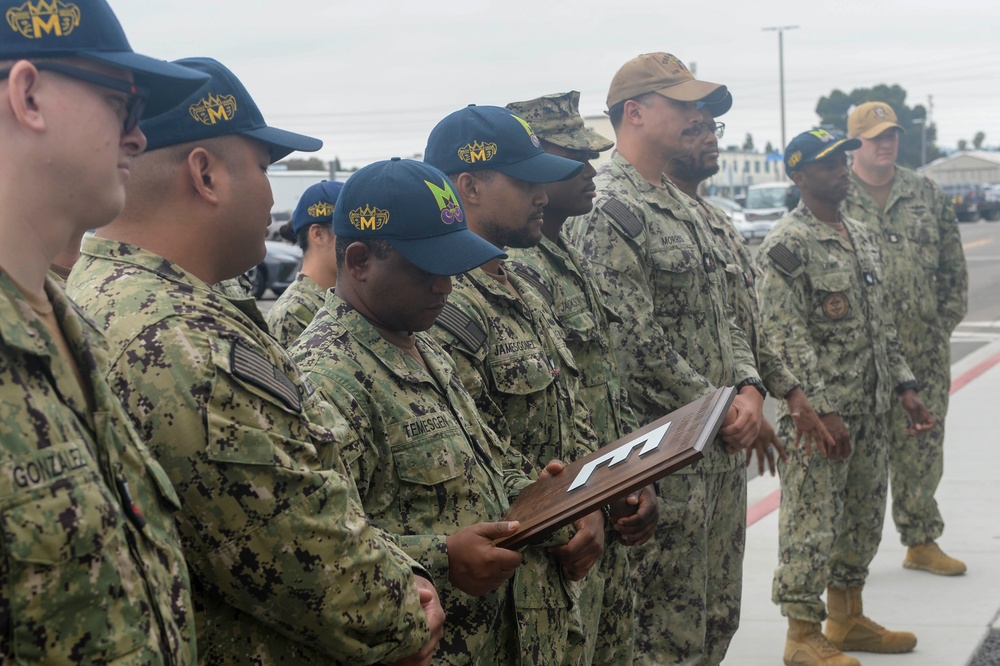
521, 382
923, 245
432, 466
676, 280
832, 298
75, 593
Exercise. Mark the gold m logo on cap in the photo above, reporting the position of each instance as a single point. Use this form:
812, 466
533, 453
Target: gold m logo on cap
320, 209
368, 218
35, 20
213, 108
477, 152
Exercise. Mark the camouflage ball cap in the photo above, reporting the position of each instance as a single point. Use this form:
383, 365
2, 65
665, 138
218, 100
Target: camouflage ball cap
477, 138
556, 119
870, 119
411, 205
661, 73
815, 145
89, 29
316, 205
220, 107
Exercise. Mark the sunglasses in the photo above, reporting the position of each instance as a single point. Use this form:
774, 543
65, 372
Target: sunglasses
134, 105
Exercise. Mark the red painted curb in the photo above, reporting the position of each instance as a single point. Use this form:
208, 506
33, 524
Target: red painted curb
772, 501
974, 372
763, 507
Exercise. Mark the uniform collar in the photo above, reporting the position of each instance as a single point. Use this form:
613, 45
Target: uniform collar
391, 356
667, 197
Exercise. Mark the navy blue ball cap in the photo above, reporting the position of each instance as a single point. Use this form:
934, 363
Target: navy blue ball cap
220, 107
413, 207
89, 29
316, 205
815, 145
490, 137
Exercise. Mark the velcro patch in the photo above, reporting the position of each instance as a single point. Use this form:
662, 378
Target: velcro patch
532, 277
621, 214
254, 368
461, 325
784, 259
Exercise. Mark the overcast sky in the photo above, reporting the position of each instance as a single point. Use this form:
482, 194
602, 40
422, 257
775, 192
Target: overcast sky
371, 78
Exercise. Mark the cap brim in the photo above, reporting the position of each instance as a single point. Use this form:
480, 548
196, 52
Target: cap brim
542, 168
691, 90
447, 254
881, 127
282, 142
718, 107
168, 84
582, 138
838, 147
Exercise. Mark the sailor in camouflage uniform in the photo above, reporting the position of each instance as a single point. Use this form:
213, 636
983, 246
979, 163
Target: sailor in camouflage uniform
655, 257
565, 281
285, 566
823, 303
91, 568
512, 359
311, 227
915, 225
687, 173
427, 467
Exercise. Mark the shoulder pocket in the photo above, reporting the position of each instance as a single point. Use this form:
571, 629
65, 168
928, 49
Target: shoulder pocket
252, 421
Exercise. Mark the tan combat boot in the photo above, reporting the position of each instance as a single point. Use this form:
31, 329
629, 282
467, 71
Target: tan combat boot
850, 630
807, 646
929, 557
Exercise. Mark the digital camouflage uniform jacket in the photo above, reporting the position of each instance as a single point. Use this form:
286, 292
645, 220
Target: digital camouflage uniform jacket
561, 276
823, 304
741, 287
294, 309
922, 258
523, 378
90, 560
285, 565
423, 460
655, 258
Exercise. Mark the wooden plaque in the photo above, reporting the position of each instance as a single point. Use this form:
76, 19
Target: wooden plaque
632, 462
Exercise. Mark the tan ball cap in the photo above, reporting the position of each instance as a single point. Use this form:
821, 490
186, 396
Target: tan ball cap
870, 119
660, 73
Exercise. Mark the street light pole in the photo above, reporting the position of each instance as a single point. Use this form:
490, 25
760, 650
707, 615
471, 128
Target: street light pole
923, 138
781, 72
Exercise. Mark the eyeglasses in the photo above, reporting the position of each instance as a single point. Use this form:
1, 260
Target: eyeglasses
134, 105
718, 129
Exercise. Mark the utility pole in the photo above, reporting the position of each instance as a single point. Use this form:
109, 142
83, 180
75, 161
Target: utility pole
781, 72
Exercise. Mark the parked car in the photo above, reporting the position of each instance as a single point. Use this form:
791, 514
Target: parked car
278, 270
972, 202
769, 202
749, 230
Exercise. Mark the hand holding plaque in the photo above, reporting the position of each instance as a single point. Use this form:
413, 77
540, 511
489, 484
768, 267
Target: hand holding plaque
636, 460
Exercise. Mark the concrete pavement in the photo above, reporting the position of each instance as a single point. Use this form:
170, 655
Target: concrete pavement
950, 616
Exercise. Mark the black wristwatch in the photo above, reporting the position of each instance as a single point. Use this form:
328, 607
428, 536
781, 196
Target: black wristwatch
905, 386
754, 382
